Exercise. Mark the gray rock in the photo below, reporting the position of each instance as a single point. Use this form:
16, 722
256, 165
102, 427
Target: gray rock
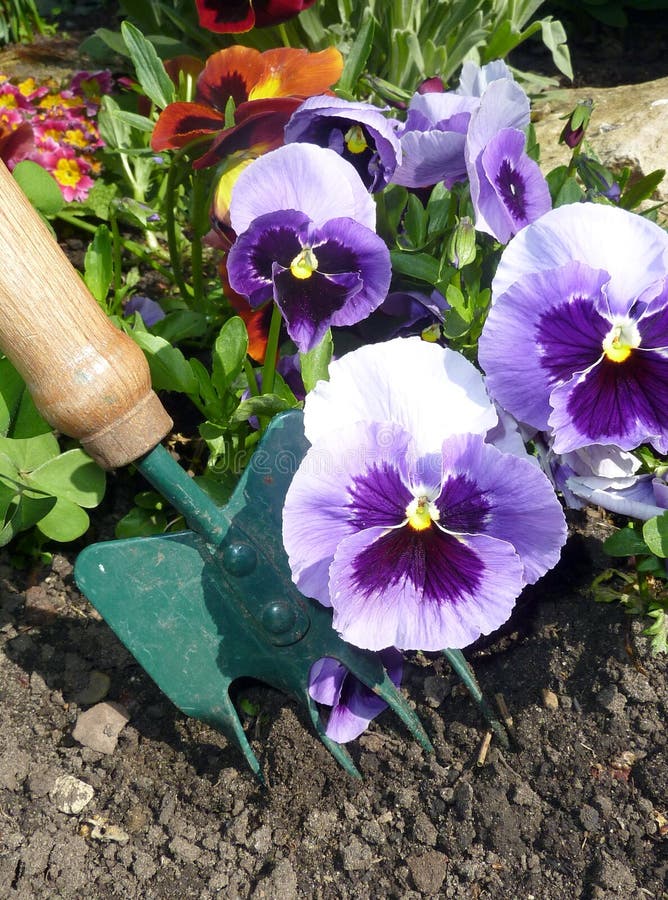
14, 767
96, 689
182, 849
628, 127
428, 870
99, 727
424, 830
70, 795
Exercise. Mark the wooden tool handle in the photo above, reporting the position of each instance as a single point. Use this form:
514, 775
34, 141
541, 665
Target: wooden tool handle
88, 379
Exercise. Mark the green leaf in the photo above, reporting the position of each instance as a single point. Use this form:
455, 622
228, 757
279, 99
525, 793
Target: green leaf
170, 370
141, 523
26, 512
641, 190
357, 56
66, 521
266, 405
40, 187
315, 363
19, 417
151, 74
625, 542
229, 353
658, 630
554, 38
99, 265
417, 265
655, 532
29, 453
71, 476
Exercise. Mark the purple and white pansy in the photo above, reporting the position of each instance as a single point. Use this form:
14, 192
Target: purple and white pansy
417, 532
307, 246
576, 341
359, 132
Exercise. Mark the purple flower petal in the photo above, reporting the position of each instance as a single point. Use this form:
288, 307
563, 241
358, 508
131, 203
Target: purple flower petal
354, 704
616, 403
475, 79
413, 591
304, 177
503, 496
544, 327
327, 121
396, 381
512, 190
274, 237
320, 510
630, 248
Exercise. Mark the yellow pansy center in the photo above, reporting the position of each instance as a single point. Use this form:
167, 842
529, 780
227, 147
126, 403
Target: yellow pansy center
421, 512
67, 172
355, 140
622, 338
304, 264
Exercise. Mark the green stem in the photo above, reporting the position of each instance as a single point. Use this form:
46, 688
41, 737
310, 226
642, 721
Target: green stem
199, 196
117, 260
250, 377
284, 35
170, 224
269, 367
130, 246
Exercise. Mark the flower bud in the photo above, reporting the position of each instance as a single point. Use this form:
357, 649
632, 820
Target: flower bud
461, 246
573, 131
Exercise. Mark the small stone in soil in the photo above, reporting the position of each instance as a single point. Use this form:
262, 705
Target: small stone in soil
70, 795
99, 727
96, 689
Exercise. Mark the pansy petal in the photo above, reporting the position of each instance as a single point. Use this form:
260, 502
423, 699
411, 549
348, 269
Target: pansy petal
504, 496
429, 157
420, 591
181, 123
513, 191
235, 17
325, 680
544, 324
614, 403
474, 79
347, 480
291, 72
357, 704
309, 305
363, 387
633, 250
271, 238
300, 176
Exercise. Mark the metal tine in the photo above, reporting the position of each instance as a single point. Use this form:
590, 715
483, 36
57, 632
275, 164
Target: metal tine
459, 664
338, 751
227, 720
387, 690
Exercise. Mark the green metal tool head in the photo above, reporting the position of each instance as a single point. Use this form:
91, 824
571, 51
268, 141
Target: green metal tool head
204, 607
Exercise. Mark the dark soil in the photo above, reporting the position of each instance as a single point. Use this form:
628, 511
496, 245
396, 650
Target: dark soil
578, 808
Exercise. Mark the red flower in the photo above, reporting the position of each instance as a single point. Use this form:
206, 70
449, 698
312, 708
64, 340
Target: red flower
235, 16
266, 89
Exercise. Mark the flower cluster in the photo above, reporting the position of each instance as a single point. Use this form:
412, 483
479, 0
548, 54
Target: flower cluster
55, 127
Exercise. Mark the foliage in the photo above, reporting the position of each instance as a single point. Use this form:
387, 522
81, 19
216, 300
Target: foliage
20, 21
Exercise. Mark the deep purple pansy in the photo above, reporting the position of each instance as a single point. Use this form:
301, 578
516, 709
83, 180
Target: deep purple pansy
307, 240
359, 132
508, 190
416, 531
576, 341
353, 704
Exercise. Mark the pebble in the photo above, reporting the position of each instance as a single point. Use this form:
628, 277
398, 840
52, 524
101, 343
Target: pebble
70, 795
550, 699
96, 689
428, 870
98, 728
